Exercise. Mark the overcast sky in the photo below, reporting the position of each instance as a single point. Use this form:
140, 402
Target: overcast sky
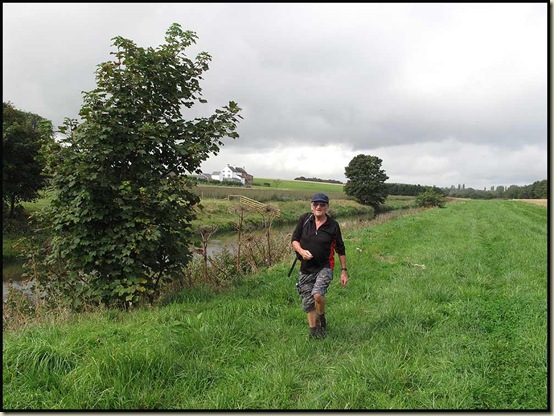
443, 93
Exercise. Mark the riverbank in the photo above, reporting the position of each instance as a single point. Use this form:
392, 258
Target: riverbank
450, 308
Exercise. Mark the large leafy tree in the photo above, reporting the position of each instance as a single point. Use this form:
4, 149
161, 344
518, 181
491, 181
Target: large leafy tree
121, 217
23, 136
366, 180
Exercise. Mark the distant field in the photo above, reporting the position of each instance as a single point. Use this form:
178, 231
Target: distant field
541, 202
300, 185
278, 190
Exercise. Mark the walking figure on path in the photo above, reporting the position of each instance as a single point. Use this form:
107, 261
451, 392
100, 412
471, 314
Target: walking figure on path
315, 239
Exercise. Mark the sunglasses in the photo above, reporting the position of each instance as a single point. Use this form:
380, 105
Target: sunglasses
319, 204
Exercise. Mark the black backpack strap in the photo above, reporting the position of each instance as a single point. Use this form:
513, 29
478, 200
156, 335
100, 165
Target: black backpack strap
305, 218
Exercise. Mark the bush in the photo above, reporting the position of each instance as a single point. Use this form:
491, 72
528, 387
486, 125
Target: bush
430, 198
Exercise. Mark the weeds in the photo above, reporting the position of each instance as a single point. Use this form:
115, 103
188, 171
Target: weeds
26, 307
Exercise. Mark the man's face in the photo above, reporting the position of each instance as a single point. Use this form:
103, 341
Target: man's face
319, 208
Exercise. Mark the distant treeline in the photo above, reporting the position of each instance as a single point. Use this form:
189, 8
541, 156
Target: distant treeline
407, 189
537, 190
302, 178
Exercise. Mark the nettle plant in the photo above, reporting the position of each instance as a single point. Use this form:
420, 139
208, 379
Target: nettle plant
120, 221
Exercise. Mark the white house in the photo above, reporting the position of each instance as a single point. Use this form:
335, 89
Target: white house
231, 173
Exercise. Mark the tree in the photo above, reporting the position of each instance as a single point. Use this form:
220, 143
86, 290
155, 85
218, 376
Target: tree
539, 189
432, 197
23, 135
366, 180
121, 216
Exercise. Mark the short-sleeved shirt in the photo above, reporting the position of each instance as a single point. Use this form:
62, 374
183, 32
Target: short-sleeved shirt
322, 243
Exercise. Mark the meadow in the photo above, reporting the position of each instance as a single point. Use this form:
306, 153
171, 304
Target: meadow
278, 190
446, 309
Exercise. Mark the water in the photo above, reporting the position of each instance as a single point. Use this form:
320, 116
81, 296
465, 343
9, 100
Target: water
21, 285
216, 245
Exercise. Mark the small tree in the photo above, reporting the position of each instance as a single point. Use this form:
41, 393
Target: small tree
123, 208
366, 180
23, 135
430, 198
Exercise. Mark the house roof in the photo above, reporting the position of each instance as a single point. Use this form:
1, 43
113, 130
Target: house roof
238, 170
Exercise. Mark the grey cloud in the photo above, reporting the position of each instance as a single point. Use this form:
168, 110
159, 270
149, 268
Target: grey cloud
364, 75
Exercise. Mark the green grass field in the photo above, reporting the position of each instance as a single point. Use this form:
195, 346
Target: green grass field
300, 185
445, 310
278, 190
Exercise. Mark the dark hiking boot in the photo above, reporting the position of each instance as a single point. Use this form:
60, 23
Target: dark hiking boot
321, 321
321, 325
315, 333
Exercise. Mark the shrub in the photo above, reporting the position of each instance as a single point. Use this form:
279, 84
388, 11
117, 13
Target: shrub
430, 198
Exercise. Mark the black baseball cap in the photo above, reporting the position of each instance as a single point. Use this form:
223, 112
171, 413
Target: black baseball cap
320, 198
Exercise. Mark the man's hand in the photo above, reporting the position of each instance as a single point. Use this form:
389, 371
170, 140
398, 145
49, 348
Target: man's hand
343, 278
306, 255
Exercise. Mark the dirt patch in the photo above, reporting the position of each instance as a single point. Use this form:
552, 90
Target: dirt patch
541, 202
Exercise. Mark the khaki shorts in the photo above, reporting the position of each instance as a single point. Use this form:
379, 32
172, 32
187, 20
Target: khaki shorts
310, 284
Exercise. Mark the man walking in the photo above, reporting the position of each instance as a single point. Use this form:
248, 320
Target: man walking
315, 240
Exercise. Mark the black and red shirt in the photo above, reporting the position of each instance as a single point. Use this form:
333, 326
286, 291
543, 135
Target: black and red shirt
322, 242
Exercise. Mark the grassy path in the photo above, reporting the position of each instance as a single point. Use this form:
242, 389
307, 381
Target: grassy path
445, 310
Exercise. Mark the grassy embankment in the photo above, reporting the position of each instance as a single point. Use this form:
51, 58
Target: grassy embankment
446, 309
291, 197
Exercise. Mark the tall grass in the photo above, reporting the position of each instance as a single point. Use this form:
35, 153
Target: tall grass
445, 310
